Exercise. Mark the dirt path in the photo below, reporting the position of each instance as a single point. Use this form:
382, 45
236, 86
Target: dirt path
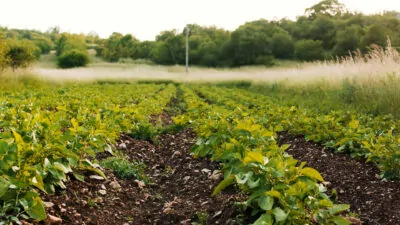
179, 191
357, 184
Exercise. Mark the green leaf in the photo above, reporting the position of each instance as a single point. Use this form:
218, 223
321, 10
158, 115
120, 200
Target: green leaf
338, 208
79, 177
4, 184
266, 202
280, 215
221, 186
312, 173
338, 220
264, 219
33, 206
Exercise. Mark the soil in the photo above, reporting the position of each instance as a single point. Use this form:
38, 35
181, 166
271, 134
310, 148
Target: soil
357, 183
179, 191
161, 119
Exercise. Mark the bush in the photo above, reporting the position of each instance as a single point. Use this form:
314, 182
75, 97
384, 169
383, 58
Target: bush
309, 50
73, 58
21, 54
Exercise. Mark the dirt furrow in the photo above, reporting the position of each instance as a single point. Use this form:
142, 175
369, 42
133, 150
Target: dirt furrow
357, 183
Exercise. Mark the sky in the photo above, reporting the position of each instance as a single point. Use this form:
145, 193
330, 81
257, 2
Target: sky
146, 18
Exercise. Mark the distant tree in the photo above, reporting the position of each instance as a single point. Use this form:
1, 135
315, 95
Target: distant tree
375, 34
282, 46
347, 40
68, 42
3, 55
20, 54
326, 7
323, 28
309, 50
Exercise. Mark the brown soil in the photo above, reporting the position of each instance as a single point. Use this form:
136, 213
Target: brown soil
162, 119
179, 191
357, 183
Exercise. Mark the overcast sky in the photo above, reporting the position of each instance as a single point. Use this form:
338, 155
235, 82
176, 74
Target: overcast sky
146, 18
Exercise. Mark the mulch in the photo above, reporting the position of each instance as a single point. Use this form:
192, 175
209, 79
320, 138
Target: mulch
357, 183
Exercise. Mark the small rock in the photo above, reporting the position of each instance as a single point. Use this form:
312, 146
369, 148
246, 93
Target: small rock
63, 210
115, 185
205, 170
102, 192
122, 145
176, 153
96, 177
217, 214
140, 183
186, 178
52, 220
327, 183
341, 191
216, 175
125, 224
103, 187
48, 204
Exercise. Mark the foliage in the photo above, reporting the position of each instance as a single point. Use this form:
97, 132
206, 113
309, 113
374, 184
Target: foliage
361, 135
3, 55
68, 42
309, 50
50, 132
280, 192
73, 58
21, 54
125, 169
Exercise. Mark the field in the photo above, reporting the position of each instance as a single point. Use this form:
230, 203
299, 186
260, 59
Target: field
130, 151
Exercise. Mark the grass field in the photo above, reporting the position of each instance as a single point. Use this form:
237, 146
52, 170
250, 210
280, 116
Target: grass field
142, 144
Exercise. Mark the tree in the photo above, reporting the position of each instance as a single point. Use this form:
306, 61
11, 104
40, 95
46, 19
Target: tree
251, 44
347, 40
323, 28
20, 54
282, 46
309, 50
3, 55
326, 7
375, 34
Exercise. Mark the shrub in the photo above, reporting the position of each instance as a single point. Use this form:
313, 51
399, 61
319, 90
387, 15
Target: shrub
309, 50
73, 58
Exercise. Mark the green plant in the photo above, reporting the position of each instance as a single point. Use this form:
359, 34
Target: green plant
125, 169
73, 58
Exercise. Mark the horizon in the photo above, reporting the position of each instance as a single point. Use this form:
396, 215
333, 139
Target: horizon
149, 21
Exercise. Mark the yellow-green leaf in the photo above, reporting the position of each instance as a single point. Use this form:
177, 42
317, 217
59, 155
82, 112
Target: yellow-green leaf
312, 173
253, 157
225, 183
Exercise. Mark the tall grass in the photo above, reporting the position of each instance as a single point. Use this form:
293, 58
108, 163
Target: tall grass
369, 83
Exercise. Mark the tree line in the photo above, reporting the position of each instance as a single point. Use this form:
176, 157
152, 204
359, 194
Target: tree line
326, 30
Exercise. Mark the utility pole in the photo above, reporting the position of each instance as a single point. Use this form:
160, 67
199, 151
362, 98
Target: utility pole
187, 49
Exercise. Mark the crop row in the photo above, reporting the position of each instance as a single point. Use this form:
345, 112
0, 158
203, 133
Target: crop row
373, 138
279, 191
47, 133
